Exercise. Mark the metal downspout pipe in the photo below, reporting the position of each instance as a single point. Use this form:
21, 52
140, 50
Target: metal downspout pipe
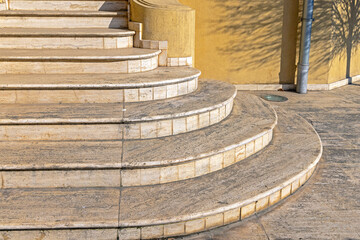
304, 53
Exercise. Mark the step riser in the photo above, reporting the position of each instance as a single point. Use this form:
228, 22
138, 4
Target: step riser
196, 168
61, 178
61, 132
141, 130
69, 5
135, 177
66, 42
92, 95
64, 22
33, 67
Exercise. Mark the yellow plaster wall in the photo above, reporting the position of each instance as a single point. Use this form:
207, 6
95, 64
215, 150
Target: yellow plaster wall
167, 20
246, 41
230, 46
355, 62
256, 41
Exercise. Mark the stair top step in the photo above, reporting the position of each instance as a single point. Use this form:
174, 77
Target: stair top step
48, 13
157, 77
295, 149
65, 32
66, 0
205, 99
250, 117
76, 54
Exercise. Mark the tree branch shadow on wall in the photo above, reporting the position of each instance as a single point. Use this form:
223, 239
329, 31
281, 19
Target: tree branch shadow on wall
346, 24
256, 27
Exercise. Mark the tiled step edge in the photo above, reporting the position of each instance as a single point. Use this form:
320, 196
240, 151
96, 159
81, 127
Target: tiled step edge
150, 229
49, 13
198, 167
140, 123
143, 120
66, 38
223, 216
164, 169
168, 162
92, 92
124, 60
198, 222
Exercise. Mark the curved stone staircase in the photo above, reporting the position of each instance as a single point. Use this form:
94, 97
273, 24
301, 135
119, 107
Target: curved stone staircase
99, 142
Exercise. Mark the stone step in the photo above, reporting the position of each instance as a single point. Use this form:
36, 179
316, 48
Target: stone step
63, 19
210, 104
97, 88
172, 209
142, 162
67, 5
70, 61
65, 38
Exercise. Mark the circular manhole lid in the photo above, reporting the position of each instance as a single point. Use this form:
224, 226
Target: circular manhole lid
275, 98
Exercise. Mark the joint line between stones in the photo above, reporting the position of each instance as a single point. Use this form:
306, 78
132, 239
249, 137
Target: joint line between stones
121, 161
261, 225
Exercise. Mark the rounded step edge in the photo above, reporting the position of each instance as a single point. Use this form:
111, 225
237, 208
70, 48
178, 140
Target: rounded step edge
167, 225
64, 19
79, 61
65, 38
194, 154
98, 88
143, 202
66, 5
56, 13
211, 103
175, 158
117, 121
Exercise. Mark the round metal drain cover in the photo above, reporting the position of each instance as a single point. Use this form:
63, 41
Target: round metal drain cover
275, 98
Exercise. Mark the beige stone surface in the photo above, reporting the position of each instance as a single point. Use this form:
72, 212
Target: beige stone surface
65, 42
69, 5
213, 199
59, 208
32, 155
245, 122
64, 32
86, 234
60, 178
65, 38
60, 113
61, 132
70, 61
266, 170
22, 88
66, 21
327, 207
61, 96
80, 54
203, 100
152, 232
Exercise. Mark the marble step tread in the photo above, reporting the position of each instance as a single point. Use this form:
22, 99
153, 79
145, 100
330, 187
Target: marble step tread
65, 32
246, 124
66, 5
205, 99
251, 118
295, 150
157, 77
175, 208
65, 0
48, 13
121, 54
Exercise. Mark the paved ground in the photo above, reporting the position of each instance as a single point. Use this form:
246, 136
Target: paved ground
328, 206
